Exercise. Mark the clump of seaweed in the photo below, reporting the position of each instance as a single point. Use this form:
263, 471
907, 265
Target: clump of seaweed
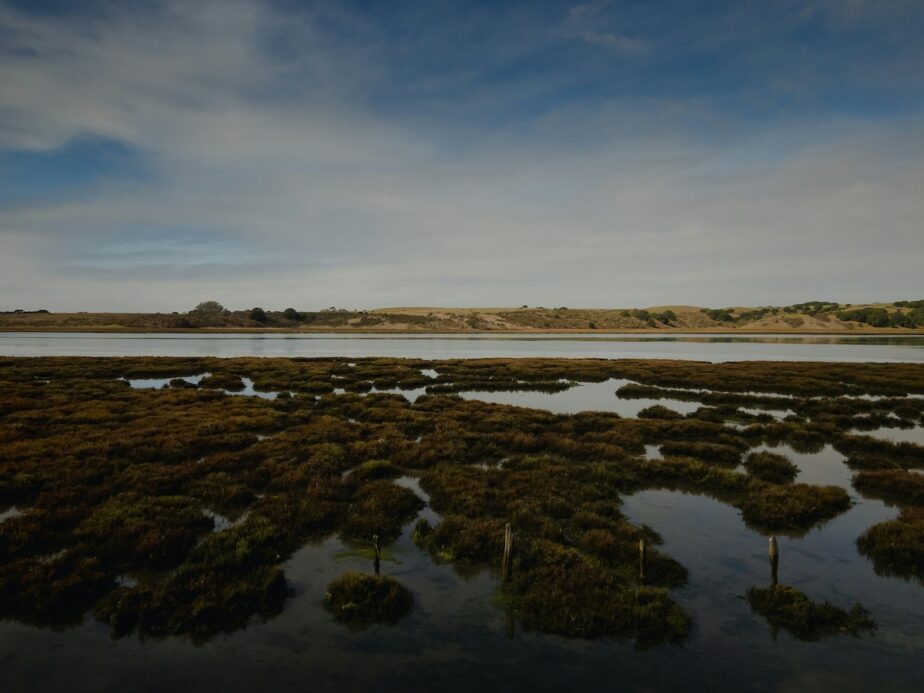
769, 466
788, 608
359, 598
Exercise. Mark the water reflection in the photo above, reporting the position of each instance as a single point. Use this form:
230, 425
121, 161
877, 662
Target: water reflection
706, 347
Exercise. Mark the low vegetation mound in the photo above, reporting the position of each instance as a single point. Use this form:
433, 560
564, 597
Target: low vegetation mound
893, 485
896, 547
769, 466
787, 608
362, 598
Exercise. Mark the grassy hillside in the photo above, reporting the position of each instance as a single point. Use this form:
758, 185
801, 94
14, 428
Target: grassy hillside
816, 316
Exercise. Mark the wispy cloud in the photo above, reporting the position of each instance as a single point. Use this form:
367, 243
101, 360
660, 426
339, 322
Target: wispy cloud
317, 155
610, 40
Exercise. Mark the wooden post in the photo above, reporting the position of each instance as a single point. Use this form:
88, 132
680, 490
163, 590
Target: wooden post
378, 552
508, 551
774, 552
642, 560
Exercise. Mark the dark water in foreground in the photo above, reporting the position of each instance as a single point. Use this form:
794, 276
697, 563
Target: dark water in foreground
459, 638
701, 347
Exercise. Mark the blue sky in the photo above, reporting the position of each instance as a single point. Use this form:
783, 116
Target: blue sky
365, 154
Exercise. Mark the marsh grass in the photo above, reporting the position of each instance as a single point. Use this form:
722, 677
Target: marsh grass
358, 598
770, 466
112, 480
787, 608
896, 547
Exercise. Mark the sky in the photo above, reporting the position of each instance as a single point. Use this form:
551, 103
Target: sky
369, 154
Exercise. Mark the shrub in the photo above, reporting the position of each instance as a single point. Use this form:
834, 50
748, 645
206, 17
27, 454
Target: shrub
258, 315
209, 308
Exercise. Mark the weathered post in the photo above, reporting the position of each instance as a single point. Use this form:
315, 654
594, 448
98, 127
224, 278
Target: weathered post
378, 552
642, 560
508, 550
774, 552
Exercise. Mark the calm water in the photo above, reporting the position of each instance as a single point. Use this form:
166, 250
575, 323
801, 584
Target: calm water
703, 347
458, 638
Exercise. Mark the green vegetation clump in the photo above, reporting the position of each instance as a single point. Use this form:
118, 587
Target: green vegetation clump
869, 451
380, 507
788, 608
375, 469
896, 547
208, 308
880, 317
719, 314
769, 466
361, 598
56, 590
813, 307
222, 381
893, 485
131, 531
557, 590
716, 453
792, 507
258, 315
658, 411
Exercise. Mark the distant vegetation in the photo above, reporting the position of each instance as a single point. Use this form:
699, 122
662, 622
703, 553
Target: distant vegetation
811, 316
880, 317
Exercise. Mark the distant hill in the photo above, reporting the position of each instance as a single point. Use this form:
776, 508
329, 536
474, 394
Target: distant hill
814, 316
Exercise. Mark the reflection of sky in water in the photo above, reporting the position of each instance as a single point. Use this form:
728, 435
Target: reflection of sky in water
583, 397
696, 347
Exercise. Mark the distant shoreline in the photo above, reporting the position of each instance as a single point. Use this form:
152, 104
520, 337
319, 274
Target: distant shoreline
873, 331
210, 317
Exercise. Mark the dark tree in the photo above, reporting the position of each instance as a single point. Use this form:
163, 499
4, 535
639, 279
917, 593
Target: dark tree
209, 308
258, 315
